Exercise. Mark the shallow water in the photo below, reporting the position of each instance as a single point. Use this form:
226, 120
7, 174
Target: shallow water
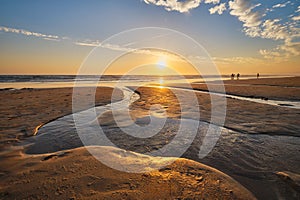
252, 160
289, 104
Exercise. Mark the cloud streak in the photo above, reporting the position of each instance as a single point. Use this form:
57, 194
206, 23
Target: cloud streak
281, 5
29, 33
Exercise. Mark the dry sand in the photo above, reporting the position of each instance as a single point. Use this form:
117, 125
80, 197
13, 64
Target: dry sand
75, 174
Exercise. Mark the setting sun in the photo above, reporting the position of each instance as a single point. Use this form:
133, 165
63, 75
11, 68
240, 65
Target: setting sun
162, 63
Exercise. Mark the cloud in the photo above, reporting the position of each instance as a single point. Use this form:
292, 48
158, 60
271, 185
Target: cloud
293, 48
86, 44
239, 60
212, 1
281, 5
275, 29
29, 33
254, 20
92, 43
258, 25
218, 9
175, 5
272, 29
244, 11
296, 18
51, 39
282, 52
273, 55
127, 49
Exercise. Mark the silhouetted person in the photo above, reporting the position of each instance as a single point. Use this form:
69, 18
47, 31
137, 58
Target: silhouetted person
257, 75
232, 76
238, 76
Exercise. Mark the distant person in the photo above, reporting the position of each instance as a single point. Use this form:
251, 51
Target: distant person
232, 76
257, 75
238, 76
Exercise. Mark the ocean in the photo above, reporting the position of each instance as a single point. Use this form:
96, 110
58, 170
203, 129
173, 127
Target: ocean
56, 81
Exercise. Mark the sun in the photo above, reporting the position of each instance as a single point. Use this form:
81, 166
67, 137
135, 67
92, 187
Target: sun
162, 63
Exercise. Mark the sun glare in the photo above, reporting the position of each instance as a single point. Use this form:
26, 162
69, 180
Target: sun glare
162, 63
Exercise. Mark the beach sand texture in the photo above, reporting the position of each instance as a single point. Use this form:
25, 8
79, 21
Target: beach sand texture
75, 174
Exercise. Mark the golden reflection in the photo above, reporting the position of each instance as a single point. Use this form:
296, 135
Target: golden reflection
36, 129
161, 82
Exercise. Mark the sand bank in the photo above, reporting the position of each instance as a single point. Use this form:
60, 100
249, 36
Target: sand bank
75, 174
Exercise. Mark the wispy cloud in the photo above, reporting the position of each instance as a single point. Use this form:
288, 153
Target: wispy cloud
88, 43
126, 49
218, 9
229, 61
281, 5
29, 33
212, 1
92, 43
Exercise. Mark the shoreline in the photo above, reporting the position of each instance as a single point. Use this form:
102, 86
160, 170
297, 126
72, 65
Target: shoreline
69, 84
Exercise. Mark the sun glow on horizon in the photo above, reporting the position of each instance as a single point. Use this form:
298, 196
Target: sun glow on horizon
162, 62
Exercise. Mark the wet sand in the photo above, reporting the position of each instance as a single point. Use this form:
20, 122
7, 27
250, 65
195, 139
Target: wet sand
75, 174
263, 88
23, 110
247, 150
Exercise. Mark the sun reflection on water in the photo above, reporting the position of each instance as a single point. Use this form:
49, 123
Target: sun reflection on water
161, 82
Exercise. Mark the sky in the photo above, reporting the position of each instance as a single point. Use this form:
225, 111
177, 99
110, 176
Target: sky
55, 37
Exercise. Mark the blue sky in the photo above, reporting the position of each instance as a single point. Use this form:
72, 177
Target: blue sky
238, 34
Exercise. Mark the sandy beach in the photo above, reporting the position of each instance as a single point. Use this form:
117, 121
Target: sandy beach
241, 166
